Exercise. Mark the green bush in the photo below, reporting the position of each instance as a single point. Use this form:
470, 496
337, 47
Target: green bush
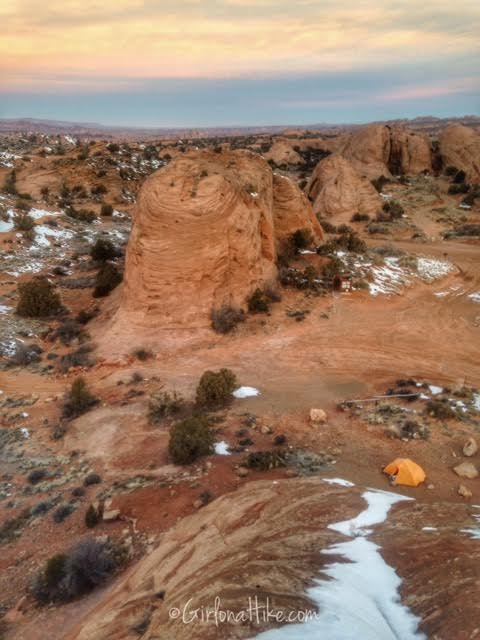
143, 354
302, 238
440, 409
38, 298
190, 439
258, 302
360, 217
226, 318
82, 215
24, 222
106, 280
78, 400
85, 566
9, 185
92, 517
103, 250
215, 388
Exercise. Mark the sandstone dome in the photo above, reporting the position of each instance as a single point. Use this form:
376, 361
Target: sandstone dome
460, 148
378, 150
205, 234
282, 152
337, 190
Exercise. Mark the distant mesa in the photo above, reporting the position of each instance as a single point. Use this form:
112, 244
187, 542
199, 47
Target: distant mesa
338, 190
206, 233
460, 148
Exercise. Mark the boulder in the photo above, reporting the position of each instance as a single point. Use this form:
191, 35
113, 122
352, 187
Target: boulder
338, 191
464, 491
318, 416
470, 447
466, 470
460, 148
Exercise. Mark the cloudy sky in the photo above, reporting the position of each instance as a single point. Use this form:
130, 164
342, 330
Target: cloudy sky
238, 62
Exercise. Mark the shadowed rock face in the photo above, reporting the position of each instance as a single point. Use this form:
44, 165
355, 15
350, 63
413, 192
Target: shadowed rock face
460, 148
205, 235
382, 150
337, 190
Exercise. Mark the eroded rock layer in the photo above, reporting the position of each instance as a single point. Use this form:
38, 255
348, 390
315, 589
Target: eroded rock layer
460, 148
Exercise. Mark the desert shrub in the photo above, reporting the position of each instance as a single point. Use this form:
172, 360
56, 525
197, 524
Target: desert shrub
92, 517
451, 170
468, 229
106, 280
455, 189
163, 404
92, 478
36, 476
143, 354
106, 210
78, 400
459, 177
25, 354
378, 227
379, 183
38, 298
302, 238
332, 269
215, 388
360, 217
68, 331
328, 227
440, 409
392, 209
469, 199
10, 184
42, 507
82, 215
99, 189
79, 358
85, 315
265, 460
103, 250
226, 318
85, 566
44, 192
23, 205
190, 439
12, 527
113, 147
62, 512
258, 302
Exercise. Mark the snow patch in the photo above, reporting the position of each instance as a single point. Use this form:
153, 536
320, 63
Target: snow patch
475, 297
246, 392
222, 448
435, 390
339, 481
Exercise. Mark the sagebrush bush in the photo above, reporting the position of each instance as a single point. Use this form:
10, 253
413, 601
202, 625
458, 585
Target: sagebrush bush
258, 302
106, 210
215, 388
92, 517
440, 409
226, 318
143, 354
81, 357
103, 250
163, 404
82, 215
302, 238
38, 298
85, 566
68, 331
78, 400
106, 280
190, 439
360, 217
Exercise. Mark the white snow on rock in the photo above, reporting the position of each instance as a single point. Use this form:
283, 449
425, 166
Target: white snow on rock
339, 481
222, 448
474, 532
36, 214
429, 529
361, 599
6, 225
475, 297
246, 392
389, 278
43, 234
25, 432
4, 308
430, 269
435, 390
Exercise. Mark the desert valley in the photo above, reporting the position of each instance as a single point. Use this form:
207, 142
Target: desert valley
211, 346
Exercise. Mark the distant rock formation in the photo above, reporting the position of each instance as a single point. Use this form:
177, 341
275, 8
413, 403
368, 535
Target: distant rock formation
205, 234
337, 190
282, 153
460, 148
377, 150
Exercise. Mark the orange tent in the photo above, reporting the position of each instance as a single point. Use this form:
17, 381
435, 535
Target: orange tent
405, 471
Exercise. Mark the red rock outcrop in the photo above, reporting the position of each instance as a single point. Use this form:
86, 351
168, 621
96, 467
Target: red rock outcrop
378, 150
339, 191
282, 153
460, 148
204, 235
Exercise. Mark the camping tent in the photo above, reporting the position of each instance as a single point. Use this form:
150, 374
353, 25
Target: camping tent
405, 471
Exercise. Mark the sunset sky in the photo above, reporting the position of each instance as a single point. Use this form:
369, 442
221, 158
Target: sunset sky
238, 62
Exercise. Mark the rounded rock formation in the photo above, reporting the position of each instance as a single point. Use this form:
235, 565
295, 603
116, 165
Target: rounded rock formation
282, 153
205, 236
338, 191
460, 148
